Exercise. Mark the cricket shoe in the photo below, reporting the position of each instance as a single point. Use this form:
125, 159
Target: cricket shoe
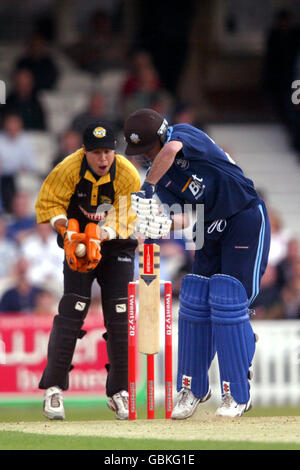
119, 404
187, 403
231, 409
54, 403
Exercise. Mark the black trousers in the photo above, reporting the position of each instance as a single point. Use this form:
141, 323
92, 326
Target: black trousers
114, 272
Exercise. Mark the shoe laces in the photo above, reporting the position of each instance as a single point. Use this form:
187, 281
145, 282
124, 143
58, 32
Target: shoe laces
227, 400
125, 399
55, 400
185, 397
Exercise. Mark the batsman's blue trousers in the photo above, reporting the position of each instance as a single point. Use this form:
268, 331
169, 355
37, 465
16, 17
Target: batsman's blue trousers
237, 246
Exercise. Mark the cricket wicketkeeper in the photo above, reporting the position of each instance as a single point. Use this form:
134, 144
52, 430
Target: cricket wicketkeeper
86, 198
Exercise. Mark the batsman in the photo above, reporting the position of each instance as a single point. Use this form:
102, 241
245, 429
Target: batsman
87, 199
188, 167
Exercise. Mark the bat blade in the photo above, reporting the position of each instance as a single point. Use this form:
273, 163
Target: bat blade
149, 299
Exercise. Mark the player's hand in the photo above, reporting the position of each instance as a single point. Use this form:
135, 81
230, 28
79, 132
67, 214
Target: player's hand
71, 237
147, 191
152, 222
91, 238
155, 226
92, 241
144, 207
93, 245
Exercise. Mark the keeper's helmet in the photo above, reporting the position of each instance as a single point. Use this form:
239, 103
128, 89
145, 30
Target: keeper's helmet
143, 129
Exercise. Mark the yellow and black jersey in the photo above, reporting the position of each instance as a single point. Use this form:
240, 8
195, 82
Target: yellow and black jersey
73, 190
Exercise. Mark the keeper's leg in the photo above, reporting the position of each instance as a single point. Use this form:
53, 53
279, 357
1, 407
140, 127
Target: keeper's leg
117, 272
67, 328
116, 324
65, 331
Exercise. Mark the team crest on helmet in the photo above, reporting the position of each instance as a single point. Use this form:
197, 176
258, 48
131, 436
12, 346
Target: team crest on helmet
99, 132
134, 138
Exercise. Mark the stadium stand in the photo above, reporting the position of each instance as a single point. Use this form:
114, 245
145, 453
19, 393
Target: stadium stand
263, 150
264, 153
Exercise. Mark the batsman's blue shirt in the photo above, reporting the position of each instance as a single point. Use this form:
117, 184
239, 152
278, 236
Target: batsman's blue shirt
202, 173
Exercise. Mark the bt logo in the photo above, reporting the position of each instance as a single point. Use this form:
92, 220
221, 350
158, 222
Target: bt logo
196, 186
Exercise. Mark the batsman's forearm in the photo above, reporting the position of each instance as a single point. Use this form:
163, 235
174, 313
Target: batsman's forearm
163, 161
180, 221
161, 164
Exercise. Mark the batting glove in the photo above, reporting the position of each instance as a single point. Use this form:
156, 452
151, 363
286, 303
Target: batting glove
154, 226
147, 191
144, 207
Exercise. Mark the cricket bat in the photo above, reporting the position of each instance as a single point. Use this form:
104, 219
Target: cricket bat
149, 298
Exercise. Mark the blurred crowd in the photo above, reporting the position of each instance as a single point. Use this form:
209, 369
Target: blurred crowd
31, 278
279, 296
281, 69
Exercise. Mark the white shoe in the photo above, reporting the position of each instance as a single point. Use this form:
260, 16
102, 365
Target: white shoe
119, 404
231, 409
54, 403
187, 403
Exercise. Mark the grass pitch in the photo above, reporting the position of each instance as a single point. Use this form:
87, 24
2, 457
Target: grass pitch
94, 428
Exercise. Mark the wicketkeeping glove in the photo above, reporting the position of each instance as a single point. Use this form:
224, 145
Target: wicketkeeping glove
71, 238
91, 238
93, 245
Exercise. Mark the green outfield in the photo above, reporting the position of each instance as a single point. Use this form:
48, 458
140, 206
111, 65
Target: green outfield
94, 428
22, 441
